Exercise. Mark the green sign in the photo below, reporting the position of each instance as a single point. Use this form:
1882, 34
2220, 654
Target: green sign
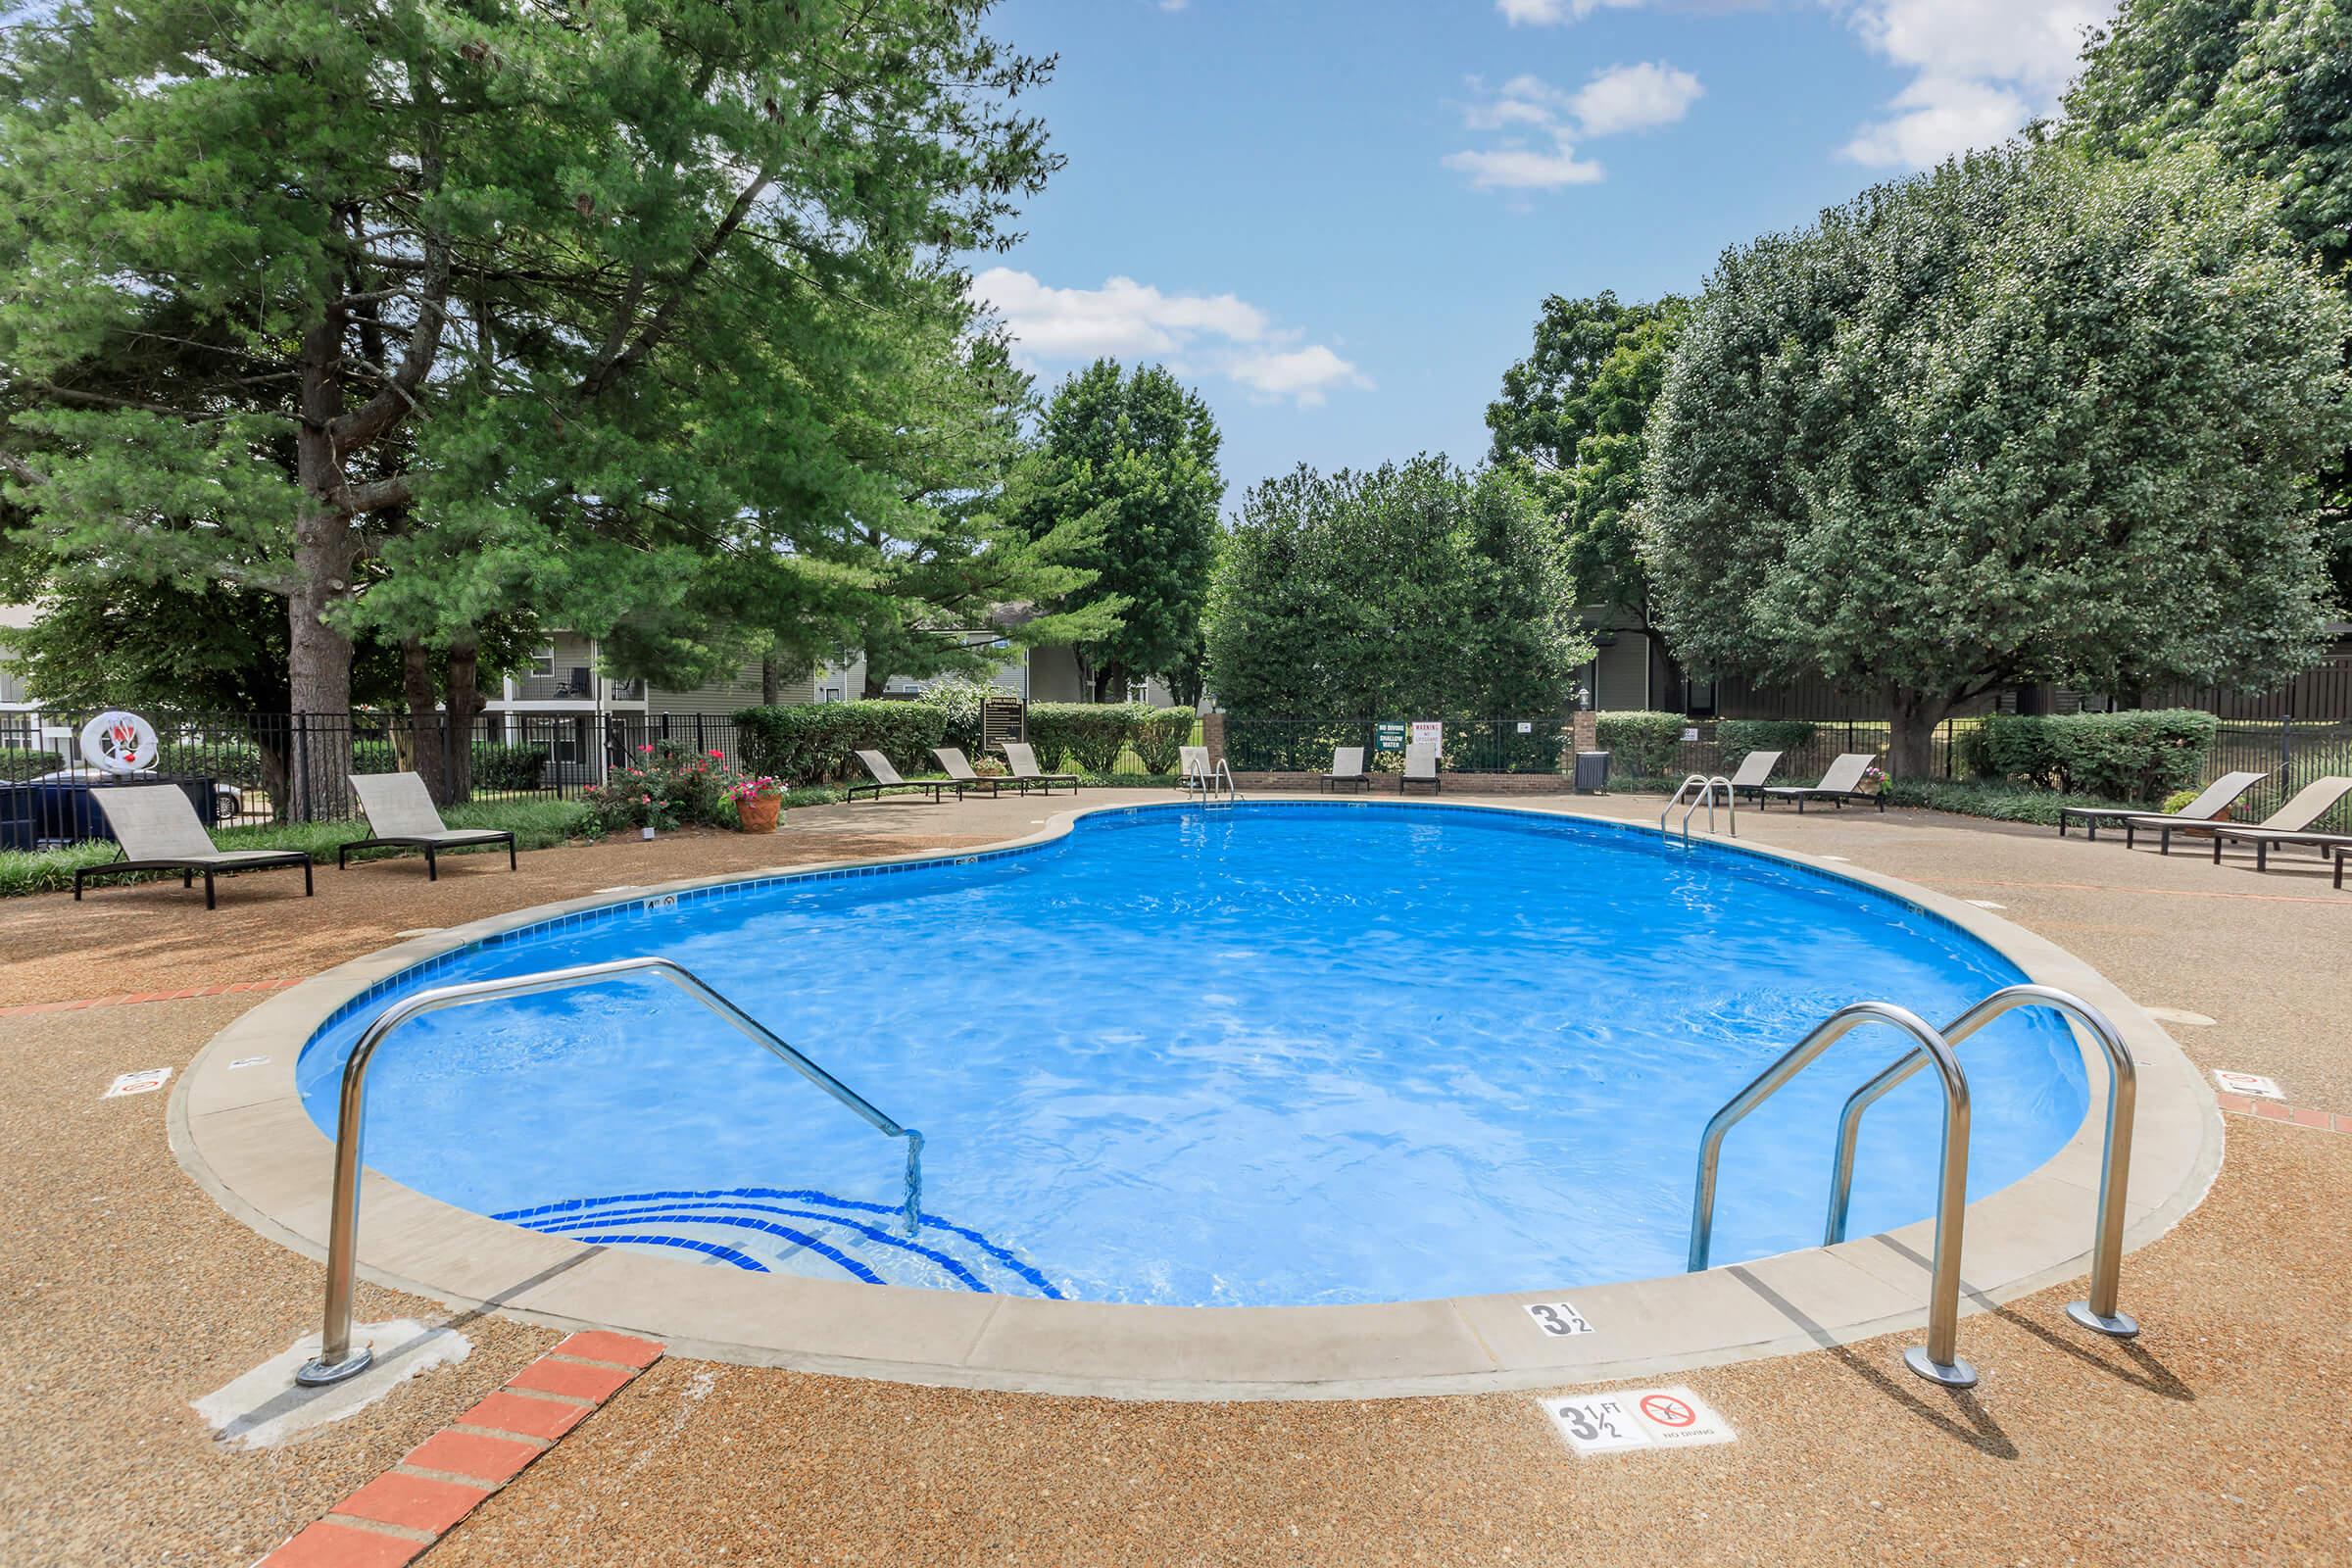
1388, 735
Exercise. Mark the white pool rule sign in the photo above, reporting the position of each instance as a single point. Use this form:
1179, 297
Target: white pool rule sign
1636, 1418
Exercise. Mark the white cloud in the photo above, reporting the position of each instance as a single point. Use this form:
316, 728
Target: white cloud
1552, 12
1983, 68
1304, 374
1218, 334
1538, 124
1633, 98
1526, 168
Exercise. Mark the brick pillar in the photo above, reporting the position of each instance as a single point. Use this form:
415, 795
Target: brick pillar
1212, 735
1587, 730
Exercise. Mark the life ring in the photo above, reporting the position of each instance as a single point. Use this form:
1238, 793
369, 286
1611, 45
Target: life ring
116, 742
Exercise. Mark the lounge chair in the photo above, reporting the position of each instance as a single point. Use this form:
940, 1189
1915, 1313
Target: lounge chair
959, 773
157, 826
1841, 784
1193, 769
885, 777
1753, 772
1347, 767
2342, 853
1421, 767
2204, 808
2289, 824
1023, 762
401, 812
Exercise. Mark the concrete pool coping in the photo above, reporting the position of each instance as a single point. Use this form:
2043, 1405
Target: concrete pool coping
243, 1134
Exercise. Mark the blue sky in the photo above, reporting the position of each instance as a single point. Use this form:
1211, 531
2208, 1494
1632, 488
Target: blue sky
1337, 218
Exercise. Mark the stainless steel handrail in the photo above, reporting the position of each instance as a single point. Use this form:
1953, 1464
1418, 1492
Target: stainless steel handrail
1939, 1359
1233, 792
1706, 796
2099, 1313
336, 1360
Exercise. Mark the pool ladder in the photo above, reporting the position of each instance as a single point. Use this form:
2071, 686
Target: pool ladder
1938, 1361
338, 1360
1219, 781
1706, 796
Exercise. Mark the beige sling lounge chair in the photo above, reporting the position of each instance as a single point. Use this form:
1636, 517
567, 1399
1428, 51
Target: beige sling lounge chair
1023, 762
885, 777
2205, 807
1841, 784
2289, 824
159, 830
1347, 767
401, 812
960, 773
1421, 767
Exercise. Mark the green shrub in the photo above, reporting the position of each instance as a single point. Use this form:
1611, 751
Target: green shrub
669, 785
812, 743
963, 701
1642, 744
1735, 738
376, 757
2002, 803
2138, 757
20, 762
1160, 738
501, 766
2176, 801
1083, 737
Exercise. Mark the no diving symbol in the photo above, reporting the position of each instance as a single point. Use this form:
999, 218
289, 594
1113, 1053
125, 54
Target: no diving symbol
1667, 1411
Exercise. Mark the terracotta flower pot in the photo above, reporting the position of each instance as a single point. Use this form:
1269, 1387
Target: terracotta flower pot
758, 816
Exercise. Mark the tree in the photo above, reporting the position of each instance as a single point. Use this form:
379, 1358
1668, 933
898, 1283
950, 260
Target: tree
2031, 416
1573, 415
1138, 454
1420, 590
2264, 83
515, 302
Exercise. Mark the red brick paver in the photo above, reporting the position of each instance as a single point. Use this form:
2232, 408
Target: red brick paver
402, 1512
2292, 1115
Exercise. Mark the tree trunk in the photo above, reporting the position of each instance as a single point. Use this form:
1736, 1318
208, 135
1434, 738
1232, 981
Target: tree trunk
325, 550
771, 681
466, 703
1912, 718
424, 717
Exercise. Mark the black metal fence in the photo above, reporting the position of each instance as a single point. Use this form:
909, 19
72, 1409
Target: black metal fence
1466, 745
252, 769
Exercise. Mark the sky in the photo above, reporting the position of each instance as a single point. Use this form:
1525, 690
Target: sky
1339, 219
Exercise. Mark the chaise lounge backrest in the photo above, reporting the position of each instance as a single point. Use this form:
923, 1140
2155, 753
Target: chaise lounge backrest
1845, 774
879, 766
1421, 760
1347, 761
2220, 793
398, 806
1755, 768
154, 822
1192, 761
957, 765
2311, 802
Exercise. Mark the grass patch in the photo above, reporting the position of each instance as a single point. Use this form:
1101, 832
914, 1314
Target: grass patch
536, 825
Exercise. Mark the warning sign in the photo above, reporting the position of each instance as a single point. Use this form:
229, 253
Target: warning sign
2246, 1083
1641, 1418
138, 1083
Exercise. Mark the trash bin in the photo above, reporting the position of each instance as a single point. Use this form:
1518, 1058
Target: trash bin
1592, 772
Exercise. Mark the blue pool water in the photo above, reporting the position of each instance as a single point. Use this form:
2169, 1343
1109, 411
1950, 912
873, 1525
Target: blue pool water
1265, 1054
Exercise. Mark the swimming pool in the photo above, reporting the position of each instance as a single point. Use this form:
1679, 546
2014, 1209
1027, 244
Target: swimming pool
1273, 1053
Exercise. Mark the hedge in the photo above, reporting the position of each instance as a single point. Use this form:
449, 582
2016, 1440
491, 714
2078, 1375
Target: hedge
2141, 757
1641, 744
811, 743
20, 762
1083, 737
222, 762
1160, 737
499, 766
1735, 738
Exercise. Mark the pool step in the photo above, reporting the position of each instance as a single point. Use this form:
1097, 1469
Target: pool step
774, 1230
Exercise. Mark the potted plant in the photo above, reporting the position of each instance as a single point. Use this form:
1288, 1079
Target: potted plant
757, 803
1873, 780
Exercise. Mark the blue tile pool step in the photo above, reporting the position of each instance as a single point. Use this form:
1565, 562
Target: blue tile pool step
775, 1230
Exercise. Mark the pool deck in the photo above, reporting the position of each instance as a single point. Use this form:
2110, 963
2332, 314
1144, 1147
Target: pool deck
2218, 1436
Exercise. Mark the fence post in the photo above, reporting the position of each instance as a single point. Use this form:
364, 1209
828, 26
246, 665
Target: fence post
2286, 754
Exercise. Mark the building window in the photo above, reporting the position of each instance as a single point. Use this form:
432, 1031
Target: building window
543, 663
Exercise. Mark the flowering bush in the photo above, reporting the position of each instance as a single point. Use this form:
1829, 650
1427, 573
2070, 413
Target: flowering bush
744, 791
1873, 780
671, 784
